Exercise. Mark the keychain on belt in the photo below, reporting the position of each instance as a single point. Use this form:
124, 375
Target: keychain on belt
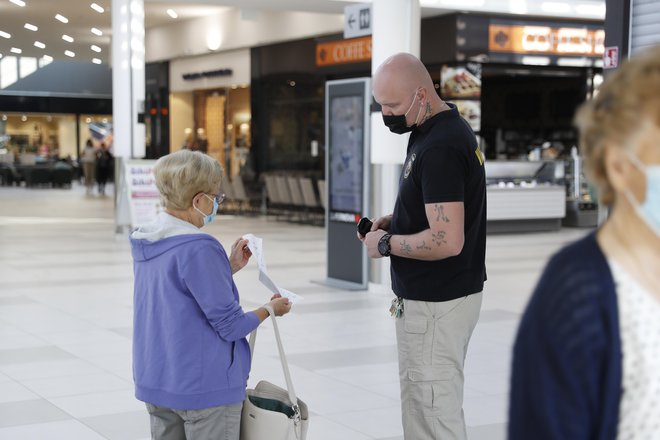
396, 310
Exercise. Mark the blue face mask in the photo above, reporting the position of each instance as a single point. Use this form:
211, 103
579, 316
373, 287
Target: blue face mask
208, 218
649, 210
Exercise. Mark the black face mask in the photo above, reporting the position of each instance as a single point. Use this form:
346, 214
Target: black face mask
397, 123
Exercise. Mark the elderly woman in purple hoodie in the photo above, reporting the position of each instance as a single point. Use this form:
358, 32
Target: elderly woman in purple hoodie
190, 356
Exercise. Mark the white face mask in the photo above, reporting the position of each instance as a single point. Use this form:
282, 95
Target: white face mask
649, 209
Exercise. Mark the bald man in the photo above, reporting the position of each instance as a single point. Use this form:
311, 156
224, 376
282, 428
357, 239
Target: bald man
436, 239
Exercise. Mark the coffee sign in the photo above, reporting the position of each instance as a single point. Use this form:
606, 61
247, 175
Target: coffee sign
546, 40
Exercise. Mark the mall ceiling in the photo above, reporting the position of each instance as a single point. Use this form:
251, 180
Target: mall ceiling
81, 29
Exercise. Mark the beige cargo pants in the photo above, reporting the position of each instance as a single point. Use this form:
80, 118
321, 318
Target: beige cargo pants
432, 339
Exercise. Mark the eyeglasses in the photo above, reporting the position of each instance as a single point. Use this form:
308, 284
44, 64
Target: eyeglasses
219, 198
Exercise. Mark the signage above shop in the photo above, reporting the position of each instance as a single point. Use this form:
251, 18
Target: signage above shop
356, 50
357, 20
546, 40
207, 74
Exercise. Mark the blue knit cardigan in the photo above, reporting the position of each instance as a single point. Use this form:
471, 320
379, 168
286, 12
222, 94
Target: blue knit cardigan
567, 361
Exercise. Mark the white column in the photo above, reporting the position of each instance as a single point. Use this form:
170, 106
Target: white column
395, 28
128, 87
128, 94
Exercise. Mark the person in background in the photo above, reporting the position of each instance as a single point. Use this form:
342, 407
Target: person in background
586, 361
436, 239
103, 166
88, 160
190, 356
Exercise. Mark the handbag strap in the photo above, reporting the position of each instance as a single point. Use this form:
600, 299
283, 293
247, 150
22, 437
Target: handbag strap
285, 364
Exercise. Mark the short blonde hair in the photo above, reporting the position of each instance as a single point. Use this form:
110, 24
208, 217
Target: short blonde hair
627, 100
181, 175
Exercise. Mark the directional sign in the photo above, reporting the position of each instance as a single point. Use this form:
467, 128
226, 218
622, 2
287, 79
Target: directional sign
357, 20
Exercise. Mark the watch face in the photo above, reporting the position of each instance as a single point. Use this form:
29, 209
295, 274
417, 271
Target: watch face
384, 246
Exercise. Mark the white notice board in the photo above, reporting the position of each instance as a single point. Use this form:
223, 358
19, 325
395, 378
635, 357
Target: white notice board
143, 196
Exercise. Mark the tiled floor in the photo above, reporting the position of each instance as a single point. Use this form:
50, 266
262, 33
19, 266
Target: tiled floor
65, 326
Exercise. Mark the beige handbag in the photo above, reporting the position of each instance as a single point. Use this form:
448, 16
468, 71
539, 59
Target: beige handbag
270, 412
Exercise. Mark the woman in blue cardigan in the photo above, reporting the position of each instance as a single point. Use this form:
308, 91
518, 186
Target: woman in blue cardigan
586, 361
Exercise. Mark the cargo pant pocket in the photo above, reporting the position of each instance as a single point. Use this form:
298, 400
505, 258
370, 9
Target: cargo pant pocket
432, 391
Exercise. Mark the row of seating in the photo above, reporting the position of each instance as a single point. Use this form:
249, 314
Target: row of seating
295, 197
36, 175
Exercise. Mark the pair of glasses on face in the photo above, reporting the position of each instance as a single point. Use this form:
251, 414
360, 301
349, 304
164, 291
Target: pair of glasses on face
218, 198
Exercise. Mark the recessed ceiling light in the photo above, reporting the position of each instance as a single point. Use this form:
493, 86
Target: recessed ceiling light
69, 53
172, 13
15, 50
47, 58
556, 7
65, 37
97, 32
88, 120
96, 61
31, 27
39, 44
62, 18
95, 48
23, 118
20, 3
4, 34
97, 8
4, 117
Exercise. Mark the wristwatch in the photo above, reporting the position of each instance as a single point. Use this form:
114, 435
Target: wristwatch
384, 245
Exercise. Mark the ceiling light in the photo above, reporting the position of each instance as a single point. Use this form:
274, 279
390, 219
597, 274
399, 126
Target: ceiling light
97, 8
88, 120
598, 10
172, 13
23, 118
65, 37
96, 61
4, 34
47, 58
95, 48
62, 18
557, 8
97, 32
20, 3
4, 117
31, 27
69, 53
15, 50
463, 2
39, 44
0, 56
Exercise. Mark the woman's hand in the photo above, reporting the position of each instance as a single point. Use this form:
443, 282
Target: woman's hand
281, 306
240, 255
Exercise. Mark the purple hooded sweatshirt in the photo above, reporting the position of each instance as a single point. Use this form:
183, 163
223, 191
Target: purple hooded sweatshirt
189, 346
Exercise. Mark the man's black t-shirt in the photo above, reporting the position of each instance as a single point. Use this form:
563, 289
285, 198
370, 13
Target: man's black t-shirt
443, 164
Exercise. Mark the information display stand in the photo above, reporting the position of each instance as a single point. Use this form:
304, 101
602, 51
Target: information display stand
347, 137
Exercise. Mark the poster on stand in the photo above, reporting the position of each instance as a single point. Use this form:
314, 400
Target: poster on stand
143, 196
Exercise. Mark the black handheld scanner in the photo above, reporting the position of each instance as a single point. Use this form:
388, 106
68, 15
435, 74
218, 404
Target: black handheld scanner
364, 226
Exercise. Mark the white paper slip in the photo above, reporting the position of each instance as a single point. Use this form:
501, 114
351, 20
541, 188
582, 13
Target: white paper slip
255, 244
266, 281
293, 298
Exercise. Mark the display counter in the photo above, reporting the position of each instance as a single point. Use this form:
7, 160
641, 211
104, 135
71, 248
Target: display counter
525, 196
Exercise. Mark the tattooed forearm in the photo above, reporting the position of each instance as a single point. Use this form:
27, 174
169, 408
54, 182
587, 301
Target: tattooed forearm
405, 247
440, 210
439, 237
423, 247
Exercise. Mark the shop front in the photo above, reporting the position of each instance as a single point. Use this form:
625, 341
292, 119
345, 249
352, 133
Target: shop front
209, 107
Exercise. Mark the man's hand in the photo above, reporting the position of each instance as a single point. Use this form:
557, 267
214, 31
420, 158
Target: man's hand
371, 242
240, 255
382, 223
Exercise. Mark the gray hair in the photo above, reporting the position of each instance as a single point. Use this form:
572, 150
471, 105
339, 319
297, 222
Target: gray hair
183, 174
